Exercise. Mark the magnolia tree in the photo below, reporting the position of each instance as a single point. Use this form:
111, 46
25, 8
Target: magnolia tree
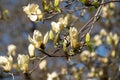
70, 40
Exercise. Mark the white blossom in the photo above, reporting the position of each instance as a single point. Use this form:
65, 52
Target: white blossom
11, 50
23, 61
33, 12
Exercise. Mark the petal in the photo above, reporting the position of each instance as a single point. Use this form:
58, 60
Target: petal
33, 17
55, 27
46, 37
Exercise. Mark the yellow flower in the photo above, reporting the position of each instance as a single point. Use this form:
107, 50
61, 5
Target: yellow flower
23, 61
37, 39
31, 50
11, 50
73, 37
6, 62
33, 12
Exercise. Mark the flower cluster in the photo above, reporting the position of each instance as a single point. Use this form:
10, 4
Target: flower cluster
109, 38
107, 12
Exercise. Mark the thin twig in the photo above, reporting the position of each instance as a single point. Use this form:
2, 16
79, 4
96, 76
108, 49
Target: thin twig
90, 22
109, 2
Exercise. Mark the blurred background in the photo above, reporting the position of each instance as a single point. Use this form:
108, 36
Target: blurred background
15, 27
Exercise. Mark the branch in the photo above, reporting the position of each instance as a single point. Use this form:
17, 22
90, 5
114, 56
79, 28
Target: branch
109, 2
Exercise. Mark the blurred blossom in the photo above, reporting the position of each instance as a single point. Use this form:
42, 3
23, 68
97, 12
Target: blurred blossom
119, 68
52, 75
93, 69
103, 32
43, 64
63, 71
106, 11
104, 60
6, 62
112, 5
31, 50
93, 54
23, 62
113, 53
112, 38
73, 37
108, 39
115, 39
85, 55
100, 73
97, 39
11, 50
98, 42
33, 12
91, 74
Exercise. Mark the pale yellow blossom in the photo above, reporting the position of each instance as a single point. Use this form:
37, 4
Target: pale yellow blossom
43, 64
64, 21
38, 40
73, 37
46, 37
6, 63
52, 75
31, 50
103, 32
56, 27
11, 50
33, 12
23, 62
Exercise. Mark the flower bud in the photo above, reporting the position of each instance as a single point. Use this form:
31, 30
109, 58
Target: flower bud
46, 37
43, 64
51, 35
73, 37
31, 50
11, 50
103, 32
